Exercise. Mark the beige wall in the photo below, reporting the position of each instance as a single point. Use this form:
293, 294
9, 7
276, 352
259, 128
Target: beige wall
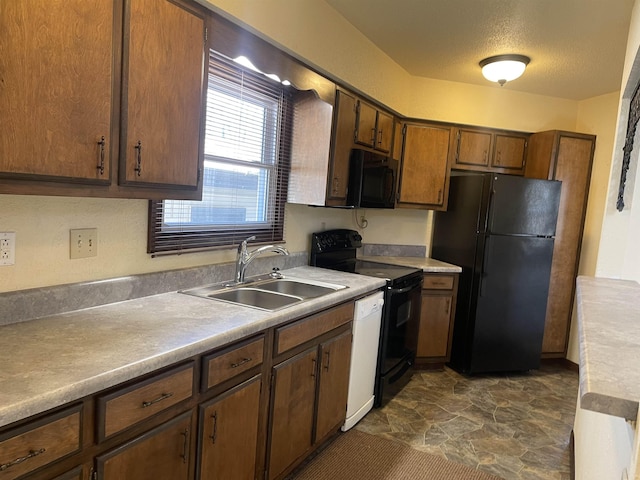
311, 30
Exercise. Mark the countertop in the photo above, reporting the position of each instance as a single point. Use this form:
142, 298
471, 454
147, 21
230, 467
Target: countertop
50, 361
609, 337
427, 265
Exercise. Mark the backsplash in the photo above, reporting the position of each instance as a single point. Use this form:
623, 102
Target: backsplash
23, 305
378, 249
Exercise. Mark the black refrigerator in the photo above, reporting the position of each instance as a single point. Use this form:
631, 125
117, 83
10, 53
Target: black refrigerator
500, 229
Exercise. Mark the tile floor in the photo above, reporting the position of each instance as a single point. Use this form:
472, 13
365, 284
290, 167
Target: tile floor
514, 426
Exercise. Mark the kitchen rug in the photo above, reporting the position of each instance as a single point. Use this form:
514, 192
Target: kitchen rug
357, 455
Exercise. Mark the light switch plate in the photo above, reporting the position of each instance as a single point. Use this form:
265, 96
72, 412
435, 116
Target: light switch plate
83, 243
7, 248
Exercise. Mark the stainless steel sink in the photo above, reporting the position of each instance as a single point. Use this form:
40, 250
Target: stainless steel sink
266, 293
256, 298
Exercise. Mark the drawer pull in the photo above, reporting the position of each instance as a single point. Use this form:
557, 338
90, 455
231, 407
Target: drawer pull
17, 461
164, 396
241, 362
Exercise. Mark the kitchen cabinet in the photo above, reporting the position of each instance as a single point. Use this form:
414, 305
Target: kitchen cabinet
424, 168
567, 157
437, 313
228, 435
309, 389
374, 128
91, 105
344, 121
164, 452
490, 150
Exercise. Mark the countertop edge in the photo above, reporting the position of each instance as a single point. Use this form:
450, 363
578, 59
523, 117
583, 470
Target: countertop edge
426, 264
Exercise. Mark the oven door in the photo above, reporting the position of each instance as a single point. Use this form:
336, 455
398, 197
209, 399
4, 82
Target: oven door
399, 325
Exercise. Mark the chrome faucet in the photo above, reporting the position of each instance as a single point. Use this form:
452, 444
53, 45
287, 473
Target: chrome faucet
244, 258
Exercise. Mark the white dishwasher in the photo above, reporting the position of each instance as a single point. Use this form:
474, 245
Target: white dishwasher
364, 357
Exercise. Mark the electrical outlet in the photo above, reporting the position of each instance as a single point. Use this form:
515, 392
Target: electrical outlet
7, 248
83, 242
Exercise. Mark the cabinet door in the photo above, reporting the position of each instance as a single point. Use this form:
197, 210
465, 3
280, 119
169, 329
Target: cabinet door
163, 94
424, 173
344, 127
229, 433
473, 148
335, 358
509, 153
384, 134
55, 94
366, 131
292, 404
161, 454
435, 323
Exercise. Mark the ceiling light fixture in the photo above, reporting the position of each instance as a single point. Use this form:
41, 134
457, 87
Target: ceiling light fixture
504, 68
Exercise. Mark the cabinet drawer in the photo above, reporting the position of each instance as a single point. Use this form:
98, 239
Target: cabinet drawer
133, 404
438, 282
224, 365
302, 331
40, 443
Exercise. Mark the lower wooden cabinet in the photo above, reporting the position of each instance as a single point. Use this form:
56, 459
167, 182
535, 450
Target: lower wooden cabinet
228, 433
247, 428
164, 452
439, 293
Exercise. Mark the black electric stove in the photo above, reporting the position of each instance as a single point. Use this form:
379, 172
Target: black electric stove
337, 250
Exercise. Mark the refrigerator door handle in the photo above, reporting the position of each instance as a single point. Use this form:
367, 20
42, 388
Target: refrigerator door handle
484, 262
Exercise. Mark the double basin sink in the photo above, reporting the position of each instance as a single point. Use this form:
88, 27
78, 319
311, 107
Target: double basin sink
266, 294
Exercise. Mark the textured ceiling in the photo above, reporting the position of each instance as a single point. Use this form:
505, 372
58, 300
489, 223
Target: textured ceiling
577, 47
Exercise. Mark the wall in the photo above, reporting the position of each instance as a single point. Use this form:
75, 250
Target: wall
311, 30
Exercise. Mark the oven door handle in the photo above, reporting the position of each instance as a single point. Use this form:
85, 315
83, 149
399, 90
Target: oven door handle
398, 291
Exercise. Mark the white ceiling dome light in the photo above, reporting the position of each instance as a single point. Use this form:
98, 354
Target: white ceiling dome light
504, 68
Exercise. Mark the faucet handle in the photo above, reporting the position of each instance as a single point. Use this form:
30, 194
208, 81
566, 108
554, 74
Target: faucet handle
243, 245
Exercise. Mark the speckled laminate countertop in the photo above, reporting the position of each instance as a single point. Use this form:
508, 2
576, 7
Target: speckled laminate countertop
428, 265
609, 337
54, 360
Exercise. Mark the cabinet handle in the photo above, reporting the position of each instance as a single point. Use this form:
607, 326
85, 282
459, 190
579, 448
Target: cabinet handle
313, 371
328, 354
335, 185
380, 137
138, 167
447, 306
241, 362
19, 460
373, 136
101, 164
498, 158
214, 433
485, 156
440, 196
164, 396
185, 446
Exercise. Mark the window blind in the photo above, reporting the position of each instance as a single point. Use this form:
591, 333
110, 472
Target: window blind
247, 148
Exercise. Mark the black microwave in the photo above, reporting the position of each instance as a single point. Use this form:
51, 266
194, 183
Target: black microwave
372, 180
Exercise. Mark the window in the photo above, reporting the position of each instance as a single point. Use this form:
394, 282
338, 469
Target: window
246, 166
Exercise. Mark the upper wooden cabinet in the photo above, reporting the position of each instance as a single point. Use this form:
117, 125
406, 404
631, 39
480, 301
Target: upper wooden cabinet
374, 128
344, 121
55, 90
105, 99
424, 169
162, 94
490, 150
568, 157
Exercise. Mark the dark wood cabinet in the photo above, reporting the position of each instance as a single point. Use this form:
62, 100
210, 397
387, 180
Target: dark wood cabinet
437, 314
103, 98
568, 157
374, 128
293, 400
55, 95
344, 122
424, 169
163, 98
228, 433
335, 359
164, 452
490, 150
